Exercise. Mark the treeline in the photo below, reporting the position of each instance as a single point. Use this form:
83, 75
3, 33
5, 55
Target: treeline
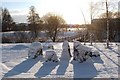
98, 28
50, 23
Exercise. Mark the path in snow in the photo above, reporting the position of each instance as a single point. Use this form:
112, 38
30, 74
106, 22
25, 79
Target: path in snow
110, 65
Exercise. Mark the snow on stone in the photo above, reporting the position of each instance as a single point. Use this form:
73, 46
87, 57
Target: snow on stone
105, 66
50, 54
34, 47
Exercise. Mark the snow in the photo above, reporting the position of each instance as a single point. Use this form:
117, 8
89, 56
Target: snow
51, 54
65, 55
15, 63
34, 48
41, 34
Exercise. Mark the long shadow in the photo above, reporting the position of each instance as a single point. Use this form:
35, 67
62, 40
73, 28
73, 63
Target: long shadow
65, 56
97, 60
85, 70
107, 56
64, 62
19, 47
62, 67
22, 67
46, 69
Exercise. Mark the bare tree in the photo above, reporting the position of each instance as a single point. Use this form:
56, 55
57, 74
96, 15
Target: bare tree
94, 11
110, 15
53, 25
98, 10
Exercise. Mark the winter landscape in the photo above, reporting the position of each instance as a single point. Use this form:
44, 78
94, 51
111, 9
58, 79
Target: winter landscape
15, 63
60, 39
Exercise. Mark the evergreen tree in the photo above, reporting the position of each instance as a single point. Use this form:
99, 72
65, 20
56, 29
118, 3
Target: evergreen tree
7, 21
34, 21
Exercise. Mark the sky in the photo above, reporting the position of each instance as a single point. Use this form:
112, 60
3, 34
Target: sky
73, 11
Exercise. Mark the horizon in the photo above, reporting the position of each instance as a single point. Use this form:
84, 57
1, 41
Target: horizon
72, 11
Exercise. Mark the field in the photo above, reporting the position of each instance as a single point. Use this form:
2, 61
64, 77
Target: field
15, 63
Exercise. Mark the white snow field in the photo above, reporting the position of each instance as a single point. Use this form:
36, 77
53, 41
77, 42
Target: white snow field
15, 63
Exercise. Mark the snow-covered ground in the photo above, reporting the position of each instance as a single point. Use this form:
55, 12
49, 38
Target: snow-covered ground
15, 63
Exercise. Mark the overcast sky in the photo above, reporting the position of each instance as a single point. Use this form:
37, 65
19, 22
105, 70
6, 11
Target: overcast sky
73, 11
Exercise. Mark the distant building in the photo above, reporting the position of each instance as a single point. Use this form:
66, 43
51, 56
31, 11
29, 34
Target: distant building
99, 28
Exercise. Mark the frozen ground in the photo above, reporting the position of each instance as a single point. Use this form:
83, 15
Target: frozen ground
15, 63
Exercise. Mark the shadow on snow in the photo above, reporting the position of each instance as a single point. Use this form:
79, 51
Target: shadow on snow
45, 69
62, 67
107, 56
84, 70
22, 67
